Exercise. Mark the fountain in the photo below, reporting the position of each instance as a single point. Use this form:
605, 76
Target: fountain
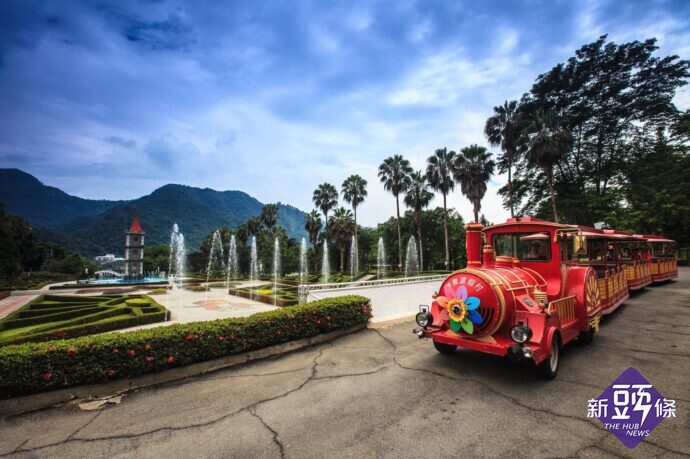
325, 265
303, 268
381, 260
253, 267
276, 269
216, 259
354, 258
411, 258
233, 264
178, 259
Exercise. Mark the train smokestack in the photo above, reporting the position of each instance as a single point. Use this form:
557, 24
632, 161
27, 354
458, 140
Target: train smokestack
473, 243
488, 256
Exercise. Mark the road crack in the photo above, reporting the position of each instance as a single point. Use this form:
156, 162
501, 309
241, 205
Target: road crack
281, 448
515, 401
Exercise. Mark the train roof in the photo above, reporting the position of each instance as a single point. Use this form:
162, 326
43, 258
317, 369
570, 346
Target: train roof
584, 230
654, 238
518, 221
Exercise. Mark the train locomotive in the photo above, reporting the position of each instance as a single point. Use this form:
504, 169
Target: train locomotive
532, 286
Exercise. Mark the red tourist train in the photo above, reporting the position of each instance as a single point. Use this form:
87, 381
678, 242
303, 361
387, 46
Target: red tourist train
532, 286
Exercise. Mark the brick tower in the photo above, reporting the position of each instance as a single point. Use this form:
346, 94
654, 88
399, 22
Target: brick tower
134, 251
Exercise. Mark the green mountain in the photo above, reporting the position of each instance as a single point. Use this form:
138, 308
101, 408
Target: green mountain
44, 206
98, 226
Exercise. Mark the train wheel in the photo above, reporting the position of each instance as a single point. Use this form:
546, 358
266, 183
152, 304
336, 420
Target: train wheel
444, 348
586, 337
549, 367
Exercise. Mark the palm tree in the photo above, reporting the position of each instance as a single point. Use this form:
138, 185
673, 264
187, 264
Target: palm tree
503, 129
325, 198
439, 172
269, 215
417, 198
312, 223
254, 225
548, 142
394, 173
473, 169
242, 232
342, 227
354, 191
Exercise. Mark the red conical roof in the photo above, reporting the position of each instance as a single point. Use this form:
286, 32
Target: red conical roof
136, 226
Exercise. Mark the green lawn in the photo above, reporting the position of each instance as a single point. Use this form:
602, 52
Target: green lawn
56, 317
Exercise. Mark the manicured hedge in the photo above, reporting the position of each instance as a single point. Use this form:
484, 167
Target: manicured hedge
59, 317
270, 300
34, 367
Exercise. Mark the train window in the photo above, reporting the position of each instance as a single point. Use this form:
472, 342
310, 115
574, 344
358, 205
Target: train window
524, 246
596, 250
663, 249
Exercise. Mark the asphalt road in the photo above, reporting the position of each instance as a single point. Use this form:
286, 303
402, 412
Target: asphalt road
381, 392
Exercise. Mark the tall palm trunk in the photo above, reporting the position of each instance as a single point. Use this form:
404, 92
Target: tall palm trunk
418, 215
342, 259
445, 230
316, 259
325, 226
476, 211
354, 209
510, 186
397, 209
552, 192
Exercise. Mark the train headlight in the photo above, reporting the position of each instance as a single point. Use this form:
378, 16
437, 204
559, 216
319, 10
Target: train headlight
424, 319
521, 333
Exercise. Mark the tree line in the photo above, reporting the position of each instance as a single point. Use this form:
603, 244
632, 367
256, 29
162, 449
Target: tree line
599, 139
471, 170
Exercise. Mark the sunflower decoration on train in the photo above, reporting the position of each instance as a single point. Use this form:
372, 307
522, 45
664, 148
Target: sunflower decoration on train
461, 308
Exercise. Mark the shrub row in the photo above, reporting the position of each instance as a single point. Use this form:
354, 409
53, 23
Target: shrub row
262, 298
99, 286
57, 316
35, 367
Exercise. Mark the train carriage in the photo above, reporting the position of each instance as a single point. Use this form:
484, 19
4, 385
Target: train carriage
618, 258
532, 286
631, 252
662, 257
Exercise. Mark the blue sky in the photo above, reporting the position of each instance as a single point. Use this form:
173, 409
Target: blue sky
111, 100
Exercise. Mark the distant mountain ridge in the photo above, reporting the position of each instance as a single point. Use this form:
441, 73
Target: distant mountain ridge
44, 206
96, 226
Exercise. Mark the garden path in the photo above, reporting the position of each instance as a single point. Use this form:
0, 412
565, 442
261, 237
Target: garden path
12, 303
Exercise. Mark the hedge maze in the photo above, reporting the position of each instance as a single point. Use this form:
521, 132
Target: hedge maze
56, 317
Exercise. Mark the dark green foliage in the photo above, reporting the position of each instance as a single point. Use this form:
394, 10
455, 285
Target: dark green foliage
35, 367
157, 258
75, 265
611, 100
657, 195
18, 244
22, 256
434, 250
52, 316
